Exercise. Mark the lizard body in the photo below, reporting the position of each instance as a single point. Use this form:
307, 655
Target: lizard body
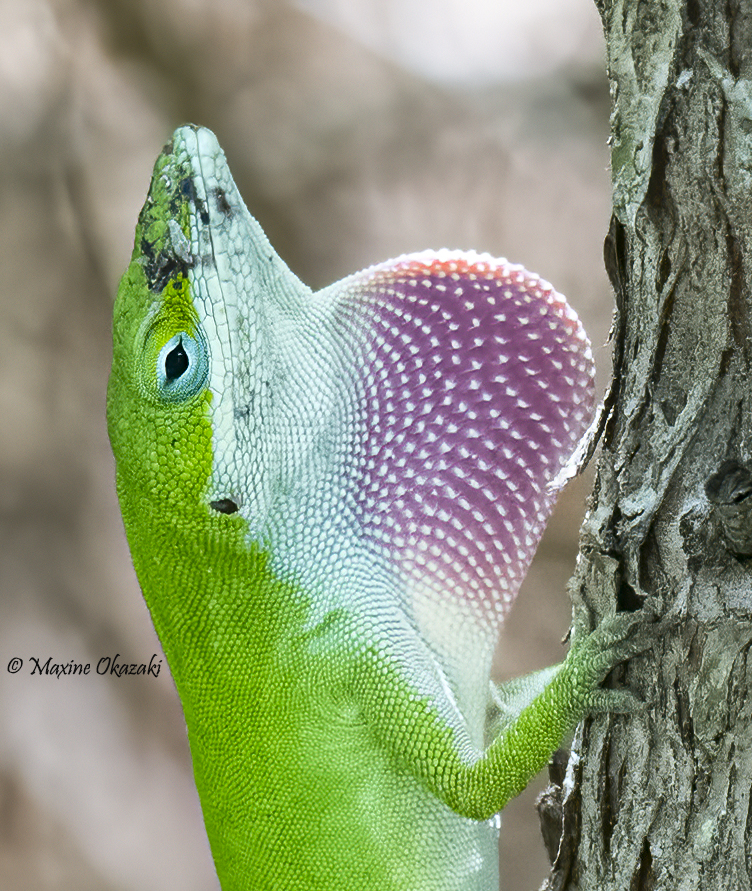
331, 499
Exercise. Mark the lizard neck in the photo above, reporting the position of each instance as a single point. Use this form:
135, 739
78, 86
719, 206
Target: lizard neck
210, 593
275, 731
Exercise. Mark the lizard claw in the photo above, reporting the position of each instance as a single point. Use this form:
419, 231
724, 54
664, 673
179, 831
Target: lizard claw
617, 639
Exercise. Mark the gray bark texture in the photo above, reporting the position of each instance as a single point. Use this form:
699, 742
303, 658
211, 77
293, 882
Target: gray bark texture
661, 799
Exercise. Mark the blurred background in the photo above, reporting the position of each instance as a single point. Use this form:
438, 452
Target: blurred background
357, 130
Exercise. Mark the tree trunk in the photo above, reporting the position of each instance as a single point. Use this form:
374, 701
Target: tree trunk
662, 799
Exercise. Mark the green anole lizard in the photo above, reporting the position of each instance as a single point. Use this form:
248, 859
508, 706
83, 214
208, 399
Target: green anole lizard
331, 499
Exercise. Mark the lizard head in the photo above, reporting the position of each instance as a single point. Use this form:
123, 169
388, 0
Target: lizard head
197, 378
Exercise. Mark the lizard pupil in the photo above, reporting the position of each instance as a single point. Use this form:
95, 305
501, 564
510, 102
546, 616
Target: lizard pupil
176, 362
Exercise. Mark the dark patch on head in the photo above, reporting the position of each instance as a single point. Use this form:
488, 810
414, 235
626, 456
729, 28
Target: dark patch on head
161, 267
161, 263
244, 411
223, 205
224, 506
188, 190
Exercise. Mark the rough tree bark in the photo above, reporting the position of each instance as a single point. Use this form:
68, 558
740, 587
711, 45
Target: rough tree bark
662, 799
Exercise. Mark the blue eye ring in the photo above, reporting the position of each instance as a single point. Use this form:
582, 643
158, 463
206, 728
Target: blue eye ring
182, 367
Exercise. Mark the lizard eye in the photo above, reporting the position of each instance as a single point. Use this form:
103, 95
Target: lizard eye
182, 367
176, 362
